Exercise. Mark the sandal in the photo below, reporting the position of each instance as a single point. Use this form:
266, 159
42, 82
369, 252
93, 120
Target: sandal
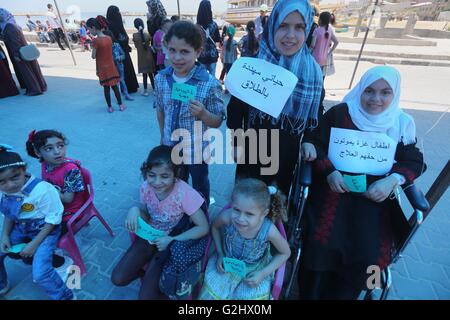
122, 107
110, 110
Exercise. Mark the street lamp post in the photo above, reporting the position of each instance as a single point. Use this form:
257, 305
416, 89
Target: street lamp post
64, 31
363, 43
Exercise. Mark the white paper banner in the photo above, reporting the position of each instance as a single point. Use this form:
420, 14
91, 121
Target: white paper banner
261, 84
361, 152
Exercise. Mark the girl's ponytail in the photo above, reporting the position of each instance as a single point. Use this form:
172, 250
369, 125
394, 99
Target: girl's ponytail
29, 145
324, 21
141, 31
139, 25
278, 209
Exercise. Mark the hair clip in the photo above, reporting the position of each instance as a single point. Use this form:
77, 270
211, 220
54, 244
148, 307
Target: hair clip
272, 190
15, 164
31, 135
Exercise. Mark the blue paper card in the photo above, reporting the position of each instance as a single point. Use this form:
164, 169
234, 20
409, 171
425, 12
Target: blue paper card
356, 183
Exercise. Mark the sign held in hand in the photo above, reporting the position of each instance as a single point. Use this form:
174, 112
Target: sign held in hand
261, 84
235, 266
183, 92
356, 183
17, 248
361, 152
147, 232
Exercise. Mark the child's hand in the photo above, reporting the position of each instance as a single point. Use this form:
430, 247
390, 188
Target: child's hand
29, 250
336, 182
253, 279
381, 189
308, 151
219, 264
132, 220
163, 242
197, 109
5, 244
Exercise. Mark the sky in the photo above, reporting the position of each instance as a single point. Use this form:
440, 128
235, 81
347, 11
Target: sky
38, 6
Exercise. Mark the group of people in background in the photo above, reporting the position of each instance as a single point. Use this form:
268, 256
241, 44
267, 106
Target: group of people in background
28, 73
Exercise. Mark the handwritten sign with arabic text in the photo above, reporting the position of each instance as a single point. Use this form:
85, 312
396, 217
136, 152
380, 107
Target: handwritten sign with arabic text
235, 266
261, 84
356, 183
147, 232
183, 92
361, 152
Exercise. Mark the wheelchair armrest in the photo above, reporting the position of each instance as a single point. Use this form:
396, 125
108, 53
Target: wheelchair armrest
416, 197
305, 173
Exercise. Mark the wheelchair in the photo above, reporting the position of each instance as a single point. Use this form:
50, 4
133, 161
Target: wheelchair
406, 227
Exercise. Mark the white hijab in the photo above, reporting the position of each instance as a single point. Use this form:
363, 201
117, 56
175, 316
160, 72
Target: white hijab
393, 121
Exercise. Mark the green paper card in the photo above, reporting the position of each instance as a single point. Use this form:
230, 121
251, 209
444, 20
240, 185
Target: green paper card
147, 232
235, 266
183, 92
17, 248
356, 183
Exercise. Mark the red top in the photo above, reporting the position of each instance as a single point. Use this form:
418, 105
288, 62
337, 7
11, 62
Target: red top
106, 69
56, 177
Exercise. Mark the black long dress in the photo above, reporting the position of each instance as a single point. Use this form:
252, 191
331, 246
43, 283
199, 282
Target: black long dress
8, 86
28, 71
346, 232
16, 68
130, 73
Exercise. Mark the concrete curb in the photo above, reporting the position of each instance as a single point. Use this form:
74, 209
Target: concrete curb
394, 54
390, 42
378, 60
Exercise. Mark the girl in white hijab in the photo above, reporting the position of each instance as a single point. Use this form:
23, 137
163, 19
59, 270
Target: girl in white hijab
348, 229
393, 121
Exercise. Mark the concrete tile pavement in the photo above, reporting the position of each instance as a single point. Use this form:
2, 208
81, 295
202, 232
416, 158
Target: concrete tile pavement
113, 146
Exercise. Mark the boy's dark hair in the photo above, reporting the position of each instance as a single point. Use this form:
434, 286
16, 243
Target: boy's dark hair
93, 23
10, 159
175, 18
37, 140
49, 6
158, 156
187, 31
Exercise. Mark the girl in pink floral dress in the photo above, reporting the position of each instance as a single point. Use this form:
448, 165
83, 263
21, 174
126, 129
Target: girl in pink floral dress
165, 200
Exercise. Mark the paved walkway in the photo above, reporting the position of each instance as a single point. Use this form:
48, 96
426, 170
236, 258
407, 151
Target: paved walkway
113, 147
